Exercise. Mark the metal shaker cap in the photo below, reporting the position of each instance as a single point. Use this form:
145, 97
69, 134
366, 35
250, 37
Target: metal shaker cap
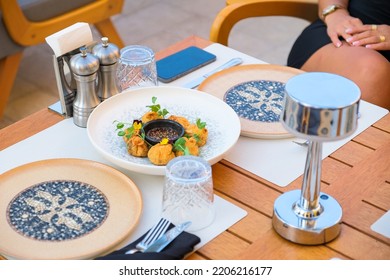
106, 52
84, 63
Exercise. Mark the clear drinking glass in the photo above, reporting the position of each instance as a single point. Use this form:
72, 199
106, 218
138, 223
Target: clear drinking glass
188, 192
137, 67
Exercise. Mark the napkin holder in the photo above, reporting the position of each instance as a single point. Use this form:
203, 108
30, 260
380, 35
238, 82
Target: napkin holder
319, 107
65, 44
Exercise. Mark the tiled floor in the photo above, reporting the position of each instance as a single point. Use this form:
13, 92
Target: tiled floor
157, 24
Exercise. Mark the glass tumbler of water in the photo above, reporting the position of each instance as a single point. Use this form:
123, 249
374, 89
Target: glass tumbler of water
137, 67
188, 193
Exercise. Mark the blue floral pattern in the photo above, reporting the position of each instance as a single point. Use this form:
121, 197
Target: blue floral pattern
260, 100
57, 210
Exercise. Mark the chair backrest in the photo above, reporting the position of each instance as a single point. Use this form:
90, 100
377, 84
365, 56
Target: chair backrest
31, 22
237, 10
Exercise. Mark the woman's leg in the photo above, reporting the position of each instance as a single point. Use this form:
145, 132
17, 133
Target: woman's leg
367, 68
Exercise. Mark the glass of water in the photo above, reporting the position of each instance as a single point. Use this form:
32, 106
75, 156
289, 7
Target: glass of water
188, 193
137, 67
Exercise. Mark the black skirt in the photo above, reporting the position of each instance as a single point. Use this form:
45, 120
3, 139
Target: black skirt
314, 36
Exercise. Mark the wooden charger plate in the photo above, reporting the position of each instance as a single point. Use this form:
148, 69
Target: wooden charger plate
256, 93
65, 209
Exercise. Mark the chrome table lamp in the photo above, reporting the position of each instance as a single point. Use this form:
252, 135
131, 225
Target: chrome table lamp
319, 107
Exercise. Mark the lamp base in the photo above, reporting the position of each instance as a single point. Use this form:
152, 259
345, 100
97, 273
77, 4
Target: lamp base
309, 231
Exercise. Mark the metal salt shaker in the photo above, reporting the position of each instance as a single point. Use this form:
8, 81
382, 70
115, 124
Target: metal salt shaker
108, 55
84, 67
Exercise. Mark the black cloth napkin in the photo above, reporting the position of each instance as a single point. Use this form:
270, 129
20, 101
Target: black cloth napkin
176, 250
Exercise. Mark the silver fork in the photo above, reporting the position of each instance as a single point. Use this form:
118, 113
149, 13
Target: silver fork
154, 233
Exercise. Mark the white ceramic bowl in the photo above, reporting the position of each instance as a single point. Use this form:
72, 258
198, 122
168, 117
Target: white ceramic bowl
223, 123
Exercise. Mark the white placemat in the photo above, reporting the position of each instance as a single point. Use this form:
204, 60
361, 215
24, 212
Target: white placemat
66, 140
278, 161
382, 225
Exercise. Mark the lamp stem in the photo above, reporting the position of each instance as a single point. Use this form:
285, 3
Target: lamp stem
311, 185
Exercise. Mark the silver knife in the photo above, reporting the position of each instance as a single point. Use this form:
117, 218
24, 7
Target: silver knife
198, 81
167, 238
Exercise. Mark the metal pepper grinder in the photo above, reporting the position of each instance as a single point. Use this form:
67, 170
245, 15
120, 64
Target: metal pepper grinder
84, 67
319, 107
108, 55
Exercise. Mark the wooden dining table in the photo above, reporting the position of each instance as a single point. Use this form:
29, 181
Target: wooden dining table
357, 175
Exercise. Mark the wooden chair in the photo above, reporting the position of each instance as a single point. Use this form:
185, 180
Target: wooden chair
237, 10
24, 31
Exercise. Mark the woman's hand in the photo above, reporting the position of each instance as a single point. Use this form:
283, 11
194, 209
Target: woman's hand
338, 23
371, 36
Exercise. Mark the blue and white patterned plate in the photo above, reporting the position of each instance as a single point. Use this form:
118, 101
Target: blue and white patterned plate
256, 93
58, 210
65, 209
258, 101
